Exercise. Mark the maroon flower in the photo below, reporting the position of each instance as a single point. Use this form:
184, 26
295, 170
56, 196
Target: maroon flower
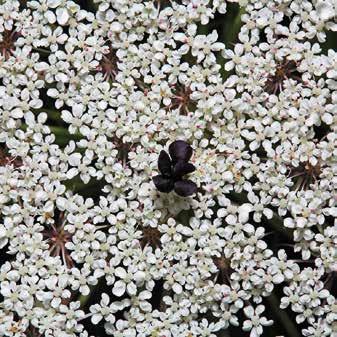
173, 169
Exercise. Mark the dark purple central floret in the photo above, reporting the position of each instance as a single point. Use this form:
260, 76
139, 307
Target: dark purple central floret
173, 169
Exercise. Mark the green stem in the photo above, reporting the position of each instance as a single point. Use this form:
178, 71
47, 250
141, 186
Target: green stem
230, 33
276, 222
52, 114
282, 317
84, 299
203, 29
320, 228
62, 135
330, 43
41, 50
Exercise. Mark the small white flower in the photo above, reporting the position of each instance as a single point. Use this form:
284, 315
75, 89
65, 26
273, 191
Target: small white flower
255, 322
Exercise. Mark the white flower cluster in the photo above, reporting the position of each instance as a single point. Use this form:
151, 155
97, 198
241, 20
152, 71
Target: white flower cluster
89, 98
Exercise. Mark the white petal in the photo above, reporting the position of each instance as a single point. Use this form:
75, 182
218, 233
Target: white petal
96, 318
62, 16
231, 219
247, 325
116, 27
325, 10
120, 272
61, 78
177, 288
84, 290
259, 309
50, 16
3, 231
42, 66
268, 213
289, 222
72, 173
67, 116
105, 299
244, 211
249, 311
119, 288
74, 159
229, 65
77, 110
16, 113
53, 3
132, 289
139, 276
254, 333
